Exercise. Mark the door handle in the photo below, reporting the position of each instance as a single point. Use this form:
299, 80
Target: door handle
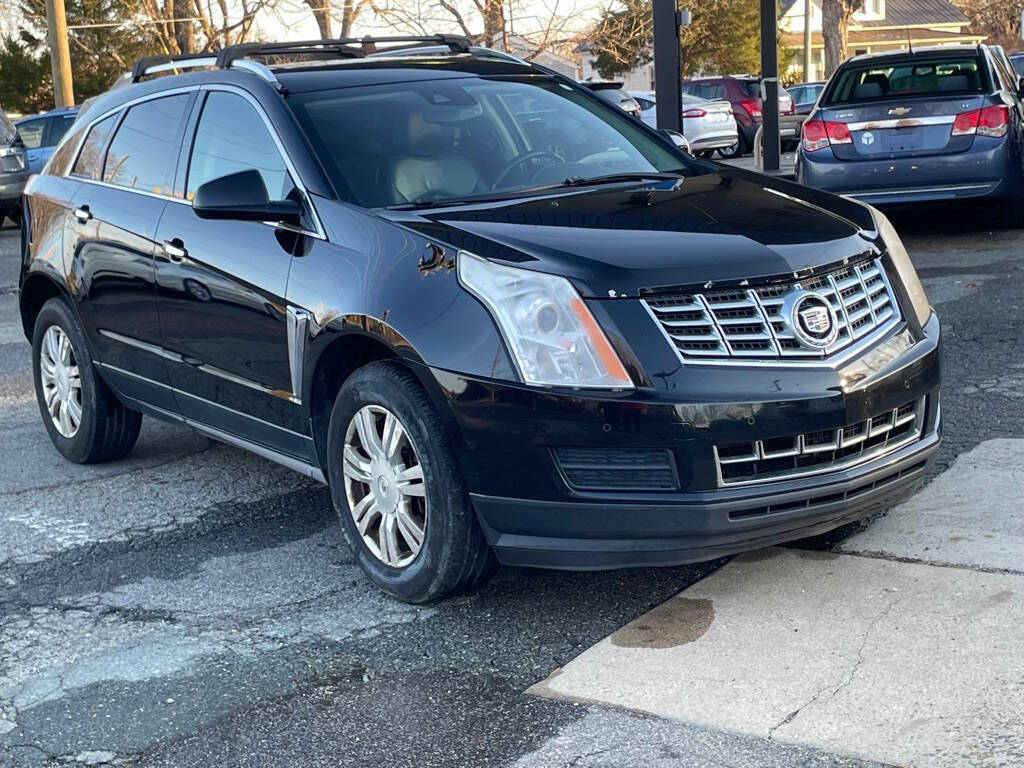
83, 214
175, 250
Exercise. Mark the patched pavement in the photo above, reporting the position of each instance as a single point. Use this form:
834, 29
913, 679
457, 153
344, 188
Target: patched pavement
194, 605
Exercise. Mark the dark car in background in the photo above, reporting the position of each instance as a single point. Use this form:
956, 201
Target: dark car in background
616, 95
744, 93
499, 317
805, 94
931, 124
1017, 61
41, 133
13, 169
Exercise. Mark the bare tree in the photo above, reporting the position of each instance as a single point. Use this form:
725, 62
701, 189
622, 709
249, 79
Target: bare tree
835, 24
181, 26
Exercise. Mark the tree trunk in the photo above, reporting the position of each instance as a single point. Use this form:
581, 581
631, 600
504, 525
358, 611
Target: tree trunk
322, 13
184, 32
494, 23
833, 33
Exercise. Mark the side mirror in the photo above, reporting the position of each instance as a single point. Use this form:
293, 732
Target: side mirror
678, 139
242, 196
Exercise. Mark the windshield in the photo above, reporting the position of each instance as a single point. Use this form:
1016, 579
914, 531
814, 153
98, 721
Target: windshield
7, 131
422, 142
912, 78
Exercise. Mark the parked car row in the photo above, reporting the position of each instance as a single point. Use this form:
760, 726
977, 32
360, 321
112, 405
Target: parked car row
25, 146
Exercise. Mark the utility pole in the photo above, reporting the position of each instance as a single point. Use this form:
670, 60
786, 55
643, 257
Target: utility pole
60, 56
668, 84
808, 7
770, 85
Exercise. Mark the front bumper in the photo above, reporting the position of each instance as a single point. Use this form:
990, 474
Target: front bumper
507, 436
986, 170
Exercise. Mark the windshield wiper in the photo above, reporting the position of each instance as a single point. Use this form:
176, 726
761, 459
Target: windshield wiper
611, 178
572, 181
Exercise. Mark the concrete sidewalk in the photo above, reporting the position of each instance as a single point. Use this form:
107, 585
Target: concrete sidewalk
868, 656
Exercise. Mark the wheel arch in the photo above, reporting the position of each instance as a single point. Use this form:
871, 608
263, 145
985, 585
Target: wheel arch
37, 289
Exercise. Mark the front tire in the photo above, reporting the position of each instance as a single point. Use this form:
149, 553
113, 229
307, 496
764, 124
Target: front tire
85, 420
400, 498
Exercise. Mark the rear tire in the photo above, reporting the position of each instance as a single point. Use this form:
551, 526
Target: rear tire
706, 154
89, 424
738, 149
418, 547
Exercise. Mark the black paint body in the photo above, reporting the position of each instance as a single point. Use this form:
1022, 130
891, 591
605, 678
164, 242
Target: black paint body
204, 338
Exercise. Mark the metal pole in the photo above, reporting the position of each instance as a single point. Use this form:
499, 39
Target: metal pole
808, 7
668, 85
770, 84
60, 57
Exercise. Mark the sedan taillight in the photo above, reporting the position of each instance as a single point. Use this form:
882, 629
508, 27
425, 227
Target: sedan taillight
694, 112
991, 121
752, 107
818, 134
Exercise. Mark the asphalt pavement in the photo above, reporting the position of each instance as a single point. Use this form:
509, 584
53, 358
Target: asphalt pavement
194, 605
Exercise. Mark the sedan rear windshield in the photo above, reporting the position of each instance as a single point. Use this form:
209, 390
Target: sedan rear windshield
901, 80
437, 140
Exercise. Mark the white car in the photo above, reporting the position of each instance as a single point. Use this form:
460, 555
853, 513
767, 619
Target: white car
707, 125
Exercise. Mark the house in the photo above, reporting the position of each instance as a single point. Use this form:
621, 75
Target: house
524, 48
882, 25
640, 78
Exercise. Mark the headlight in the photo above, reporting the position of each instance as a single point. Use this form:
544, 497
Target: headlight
554, 339
904, 267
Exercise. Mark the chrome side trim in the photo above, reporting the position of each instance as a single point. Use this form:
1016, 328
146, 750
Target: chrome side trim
207, 61
901, 122
204, 367
298, 332
279, 458
914, 190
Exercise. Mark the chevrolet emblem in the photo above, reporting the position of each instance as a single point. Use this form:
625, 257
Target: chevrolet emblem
899, 111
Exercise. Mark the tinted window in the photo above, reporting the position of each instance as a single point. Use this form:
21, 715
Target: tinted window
90, 158
432, 140
912, 78
31, 132
1018, 64
232, 137
58, 127
144, 151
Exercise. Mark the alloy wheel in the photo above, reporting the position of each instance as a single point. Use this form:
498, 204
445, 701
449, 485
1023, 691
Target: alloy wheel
384, 486
61, 380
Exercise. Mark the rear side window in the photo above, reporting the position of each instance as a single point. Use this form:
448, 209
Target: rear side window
90, 159
751, 88
143, 153
31, 132
232, 137
59, 125
907, 79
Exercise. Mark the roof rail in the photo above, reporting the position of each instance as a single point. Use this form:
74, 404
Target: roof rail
239, 56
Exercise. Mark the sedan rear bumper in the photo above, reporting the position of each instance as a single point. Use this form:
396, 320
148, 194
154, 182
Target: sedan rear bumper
986, 170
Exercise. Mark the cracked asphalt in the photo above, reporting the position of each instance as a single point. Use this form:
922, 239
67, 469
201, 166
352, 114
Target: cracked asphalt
194, 605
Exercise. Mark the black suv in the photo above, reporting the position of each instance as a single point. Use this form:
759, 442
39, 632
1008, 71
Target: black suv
497, 315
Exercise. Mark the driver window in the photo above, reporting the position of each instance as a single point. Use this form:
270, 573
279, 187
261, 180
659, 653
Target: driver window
232, 137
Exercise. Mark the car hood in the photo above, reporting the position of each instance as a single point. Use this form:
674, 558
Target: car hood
616, 240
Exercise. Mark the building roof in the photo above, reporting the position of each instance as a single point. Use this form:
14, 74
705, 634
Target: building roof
909, 13
866, 36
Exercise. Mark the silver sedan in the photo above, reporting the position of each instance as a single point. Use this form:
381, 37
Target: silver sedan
707, 125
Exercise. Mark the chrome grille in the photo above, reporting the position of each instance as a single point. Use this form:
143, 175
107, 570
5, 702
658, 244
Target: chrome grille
781, 458
747, 323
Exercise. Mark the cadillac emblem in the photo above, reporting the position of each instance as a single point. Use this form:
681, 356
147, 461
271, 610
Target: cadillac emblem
811, 320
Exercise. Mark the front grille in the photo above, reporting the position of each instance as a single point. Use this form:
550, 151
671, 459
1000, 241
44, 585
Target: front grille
748, 323
781, 458
595, 469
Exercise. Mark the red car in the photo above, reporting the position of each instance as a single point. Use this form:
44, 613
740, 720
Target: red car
744, 93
